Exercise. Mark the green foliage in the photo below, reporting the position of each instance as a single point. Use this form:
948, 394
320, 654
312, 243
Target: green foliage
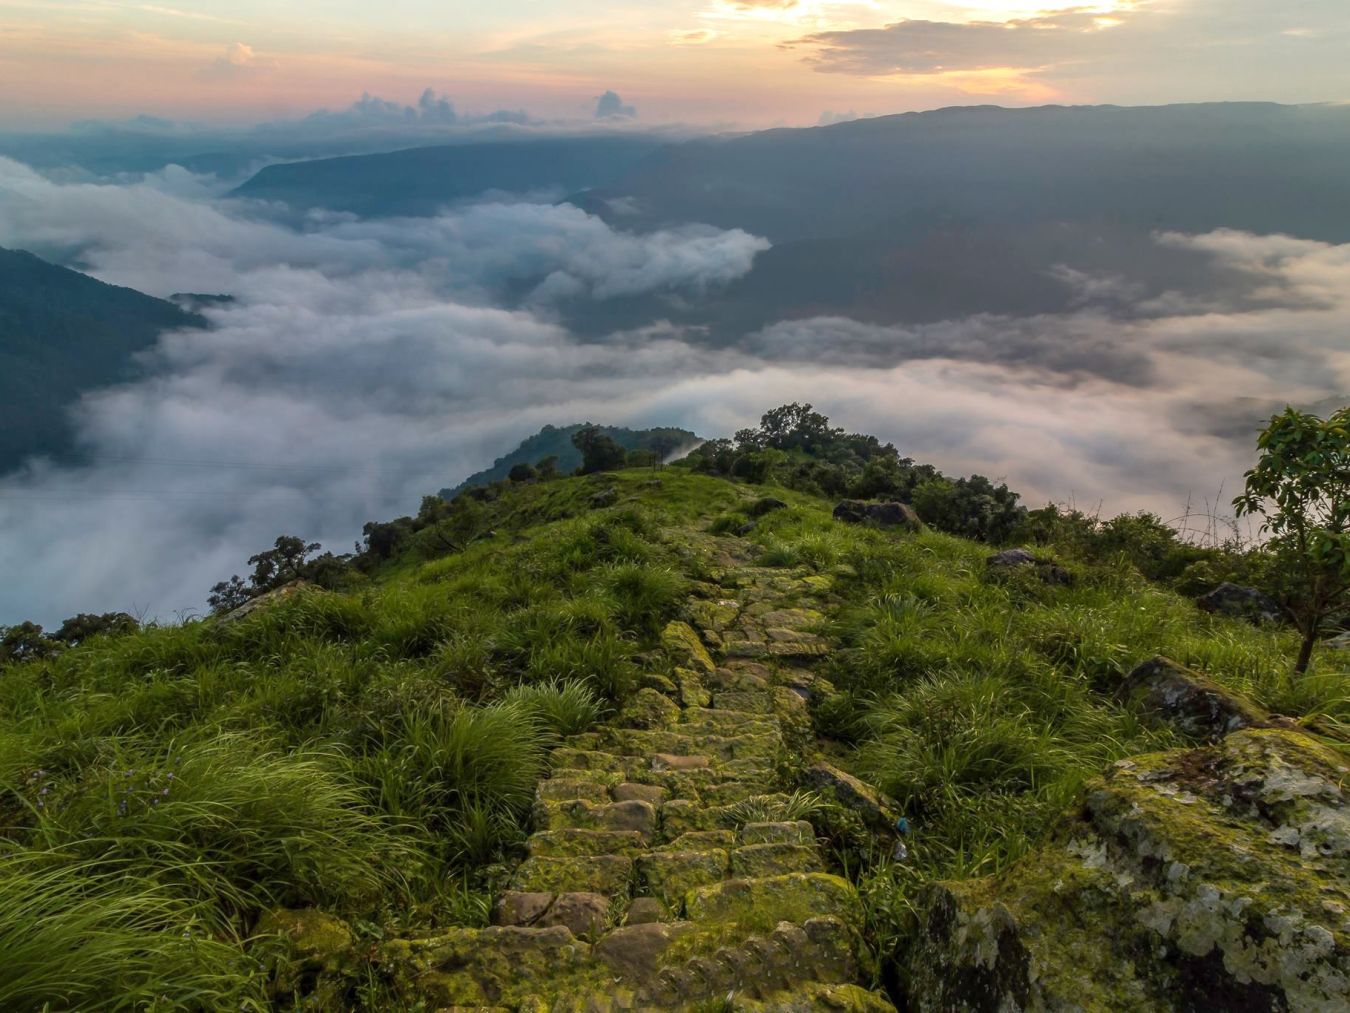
796, 447
564, 708
1300, 486
93, 936
599, 452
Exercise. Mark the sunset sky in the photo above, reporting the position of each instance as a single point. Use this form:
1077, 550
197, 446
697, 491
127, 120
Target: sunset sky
751, 62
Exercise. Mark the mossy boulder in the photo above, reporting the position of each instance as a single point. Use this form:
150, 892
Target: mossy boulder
686, 649
1209, 878
1194, 705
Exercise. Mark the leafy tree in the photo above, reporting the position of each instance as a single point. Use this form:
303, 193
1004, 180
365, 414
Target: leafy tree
547, 468
796, 427
24, 642
77, 629
598, 451
228, 595
281, 564
1301, 488
522, 473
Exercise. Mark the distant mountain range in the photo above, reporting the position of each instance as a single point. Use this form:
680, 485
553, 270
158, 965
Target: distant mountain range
420, 181
63, 333
911, 218
555, 441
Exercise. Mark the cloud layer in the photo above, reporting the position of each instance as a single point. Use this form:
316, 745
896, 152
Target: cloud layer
364, 364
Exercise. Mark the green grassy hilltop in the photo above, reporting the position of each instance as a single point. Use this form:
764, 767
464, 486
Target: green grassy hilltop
278, 808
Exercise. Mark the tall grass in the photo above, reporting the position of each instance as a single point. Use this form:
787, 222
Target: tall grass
228, 821
81, 935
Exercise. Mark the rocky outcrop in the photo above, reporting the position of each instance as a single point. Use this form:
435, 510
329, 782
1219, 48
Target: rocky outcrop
1208, 878
1195, 705
1012, 560
885, 515
1237, 602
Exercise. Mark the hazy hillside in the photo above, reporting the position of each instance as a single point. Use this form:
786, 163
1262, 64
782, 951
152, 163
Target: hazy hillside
554, 441
418, 181
1262, 167
63, 333
646, 741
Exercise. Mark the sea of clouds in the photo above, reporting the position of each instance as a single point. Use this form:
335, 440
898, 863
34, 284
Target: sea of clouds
364, 364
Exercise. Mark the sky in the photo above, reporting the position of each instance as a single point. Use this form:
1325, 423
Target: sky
724, 62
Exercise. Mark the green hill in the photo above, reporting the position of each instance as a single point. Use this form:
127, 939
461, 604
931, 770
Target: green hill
62, 334
619, 741
422, 181
555, 441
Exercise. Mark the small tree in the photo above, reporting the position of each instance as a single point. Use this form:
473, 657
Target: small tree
522, 473
1301, 488
599, 451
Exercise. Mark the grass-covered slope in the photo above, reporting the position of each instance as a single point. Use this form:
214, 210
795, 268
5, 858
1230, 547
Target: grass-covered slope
556, 442
63, 333
375, 753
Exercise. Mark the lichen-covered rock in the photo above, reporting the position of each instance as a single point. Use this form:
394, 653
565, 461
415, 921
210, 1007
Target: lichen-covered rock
877, 811
1188, 701
686, 649
1209, 878
1237, 602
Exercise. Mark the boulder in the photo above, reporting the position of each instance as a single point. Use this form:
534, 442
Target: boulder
1195, 705
604, 498
877, 811
1237, 602
1207, 878
765, 505
886, 515
1010, 560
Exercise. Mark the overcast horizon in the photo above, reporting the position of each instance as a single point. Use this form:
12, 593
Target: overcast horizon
744, 63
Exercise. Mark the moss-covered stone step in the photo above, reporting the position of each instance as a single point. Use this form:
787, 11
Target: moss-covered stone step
680, 816
792, 832
673, 742
570, 759
572, 842
816, 997
745, 701
700, 840
669, 874
558, 789
610, 875
774, 860
778, 961
794, 897
715, 721
498, 966
581, 815
586, 915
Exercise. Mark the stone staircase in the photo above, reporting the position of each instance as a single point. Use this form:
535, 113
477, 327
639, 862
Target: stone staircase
663, 873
